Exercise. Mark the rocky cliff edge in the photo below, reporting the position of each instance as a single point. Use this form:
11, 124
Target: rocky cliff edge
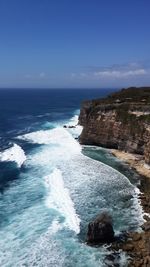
120, 121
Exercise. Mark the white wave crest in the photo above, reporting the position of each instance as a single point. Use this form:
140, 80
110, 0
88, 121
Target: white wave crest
81, 176
59, 198
74, 120
76, 131
57, 136
14, 153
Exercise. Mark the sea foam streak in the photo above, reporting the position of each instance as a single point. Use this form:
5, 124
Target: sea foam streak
60, 147
74, 120
76, 131
59, 198
57, 136
14, 153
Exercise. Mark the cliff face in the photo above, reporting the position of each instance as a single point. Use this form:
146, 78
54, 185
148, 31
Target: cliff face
121, 121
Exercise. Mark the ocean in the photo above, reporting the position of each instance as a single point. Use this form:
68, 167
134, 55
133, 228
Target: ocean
51, 187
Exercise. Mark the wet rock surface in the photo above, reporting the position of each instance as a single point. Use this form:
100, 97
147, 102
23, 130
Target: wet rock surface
100, 230
138, 248
137, 244
69, 126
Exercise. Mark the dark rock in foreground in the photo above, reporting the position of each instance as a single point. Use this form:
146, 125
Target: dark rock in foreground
100, 230
137, 244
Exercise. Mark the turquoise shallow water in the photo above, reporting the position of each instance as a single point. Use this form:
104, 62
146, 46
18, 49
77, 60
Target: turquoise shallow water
51, 188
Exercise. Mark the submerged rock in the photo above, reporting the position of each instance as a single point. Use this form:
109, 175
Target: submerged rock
100, 230
70, 126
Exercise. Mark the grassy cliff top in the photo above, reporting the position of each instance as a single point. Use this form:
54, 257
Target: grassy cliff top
134, 95
131, 105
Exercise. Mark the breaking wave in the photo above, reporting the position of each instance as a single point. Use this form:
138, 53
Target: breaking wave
70, 178
66, 189
59, 198
14, 153
59, 146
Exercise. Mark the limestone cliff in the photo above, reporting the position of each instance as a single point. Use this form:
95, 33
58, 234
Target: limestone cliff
121, 121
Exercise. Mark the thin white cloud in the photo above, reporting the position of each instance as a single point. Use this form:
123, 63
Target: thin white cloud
119, 74
42, 74
83, 74
28, 76
73, 75
136, 73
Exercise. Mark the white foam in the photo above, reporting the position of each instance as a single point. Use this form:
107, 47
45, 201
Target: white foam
60, 148
76, 131
55, 227
81, 176
137, 205
73, 121
15, 153
147, 166
60, 199
58, 136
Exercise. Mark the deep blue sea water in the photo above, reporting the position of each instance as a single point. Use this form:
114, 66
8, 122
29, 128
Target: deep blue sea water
51, 187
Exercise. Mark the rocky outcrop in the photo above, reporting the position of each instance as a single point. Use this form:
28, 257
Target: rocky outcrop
147, 152
120, 121
100, 230
137, 245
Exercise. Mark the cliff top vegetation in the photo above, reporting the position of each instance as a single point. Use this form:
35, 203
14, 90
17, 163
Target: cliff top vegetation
137, 95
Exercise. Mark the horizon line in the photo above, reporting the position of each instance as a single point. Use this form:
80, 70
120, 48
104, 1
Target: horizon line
57, 88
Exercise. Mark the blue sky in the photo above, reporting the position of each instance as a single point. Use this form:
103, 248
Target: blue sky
74, 43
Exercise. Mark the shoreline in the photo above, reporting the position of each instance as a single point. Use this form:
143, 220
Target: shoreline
134, 161
137, 245
122, 120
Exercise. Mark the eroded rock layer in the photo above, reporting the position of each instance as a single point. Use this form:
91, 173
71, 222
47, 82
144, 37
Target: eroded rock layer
121, 121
